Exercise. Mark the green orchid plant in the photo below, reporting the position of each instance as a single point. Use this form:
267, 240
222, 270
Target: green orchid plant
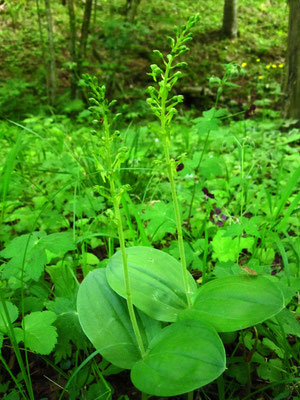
144, 311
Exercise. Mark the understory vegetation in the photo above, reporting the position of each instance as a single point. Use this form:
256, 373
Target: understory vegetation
149, 246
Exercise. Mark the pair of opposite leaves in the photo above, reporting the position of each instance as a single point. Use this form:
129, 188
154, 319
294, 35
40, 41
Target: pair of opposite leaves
186, 354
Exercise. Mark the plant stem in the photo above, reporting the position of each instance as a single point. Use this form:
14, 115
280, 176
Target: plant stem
221, 389
132, 315
116, 199
191, 395
21, 391
169, 164
11, 334
178, 220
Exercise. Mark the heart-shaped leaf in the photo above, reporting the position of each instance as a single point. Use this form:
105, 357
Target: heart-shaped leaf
236, 302
104, 318
183, 357
34, 327
156, 281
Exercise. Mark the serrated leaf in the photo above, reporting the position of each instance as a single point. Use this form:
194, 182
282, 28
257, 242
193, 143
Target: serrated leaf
160, 219
18, 244
227, 249
58, 243
289, 322
156, 281
67, 324
183, 357
24, 251
12, 315
40, 335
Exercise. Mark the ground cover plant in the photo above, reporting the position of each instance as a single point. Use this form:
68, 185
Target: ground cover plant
169, 248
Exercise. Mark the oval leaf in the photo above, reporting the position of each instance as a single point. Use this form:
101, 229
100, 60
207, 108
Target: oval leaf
183, 357
236, 302
156, 282
104, 318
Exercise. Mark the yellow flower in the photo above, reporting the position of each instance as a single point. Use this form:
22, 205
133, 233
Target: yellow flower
244, 64
268, 66
274, 66
258, 60
281, 65
260, 77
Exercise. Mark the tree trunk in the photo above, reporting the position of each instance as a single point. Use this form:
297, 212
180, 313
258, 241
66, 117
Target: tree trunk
292, 88
95, 12
51, 58
131, 10
72, 24
39, 18
85, 30
230, 24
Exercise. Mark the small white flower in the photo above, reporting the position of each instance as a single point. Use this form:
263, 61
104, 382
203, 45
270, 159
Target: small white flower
156, 140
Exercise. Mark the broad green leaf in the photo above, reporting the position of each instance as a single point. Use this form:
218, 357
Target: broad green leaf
18, 244
183, 357
228, 249
13, 313
104, 318
236, 302
40, 335
58, 243
211, 167
156, 281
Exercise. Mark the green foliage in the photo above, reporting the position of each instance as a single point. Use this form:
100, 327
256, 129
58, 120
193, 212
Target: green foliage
115, 338
34, 326
149, 267
236, 302
189, 346
68, 195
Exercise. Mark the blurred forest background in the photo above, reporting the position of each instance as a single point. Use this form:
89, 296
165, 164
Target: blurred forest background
47, 44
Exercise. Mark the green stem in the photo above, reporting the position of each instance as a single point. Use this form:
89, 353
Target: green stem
221, 388
191, 395
116, 199
196, 174
11, 334
132, 315
13, 378
169, 164
178, 221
